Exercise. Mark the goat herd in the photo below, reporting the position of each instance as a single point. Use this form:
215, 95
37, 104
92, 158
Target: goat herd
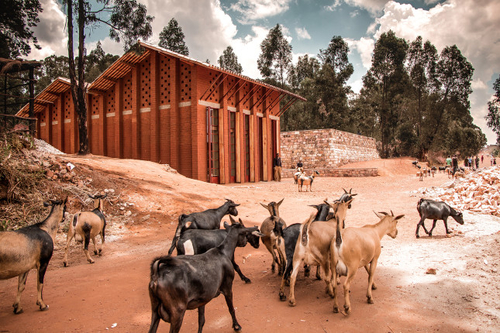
204, 266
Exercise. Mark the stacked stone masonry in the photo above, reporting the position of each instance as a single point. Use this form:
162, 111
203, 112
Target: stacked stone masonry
326, 150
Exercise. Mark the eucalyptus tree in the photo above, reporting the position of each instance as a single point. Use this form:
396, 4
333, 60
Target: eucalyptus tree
276, 57
97, 62
52, 67
127, 20
384, 84
172, 38
332, 83
17, 19
493, 116
228, 60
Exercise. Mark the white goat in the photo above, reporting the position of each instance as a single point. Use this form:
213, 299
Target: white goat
88, 225
360, 247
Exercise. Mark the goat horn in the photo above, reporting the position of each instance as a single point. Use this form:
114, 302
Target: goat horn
345, 190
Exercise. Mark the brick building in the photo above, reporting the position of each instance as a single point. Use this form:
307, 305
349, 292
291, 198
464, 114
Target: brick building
208, 123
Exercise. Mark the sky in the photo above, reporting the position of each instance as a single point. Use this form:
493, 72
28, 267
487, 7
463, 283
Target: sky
210, 26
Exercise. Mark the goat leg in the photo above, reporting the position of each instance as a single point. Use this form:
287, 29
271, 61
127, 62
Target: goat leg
433, 226
446, 226
228, 294
39, 285
371, 275
237, 269
201, 318
20, 288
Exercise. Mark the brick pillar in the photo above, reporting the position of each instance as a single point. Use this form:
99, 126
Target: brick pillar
103, 135
155, 116
118, 118
175, 113
136, 125
223, 136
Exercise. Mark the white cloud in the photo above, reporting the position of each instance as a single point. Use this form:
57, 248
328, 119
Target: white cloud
302, 33
50, 31
252, 10
469, 24
364, 46
333, 6
373, 6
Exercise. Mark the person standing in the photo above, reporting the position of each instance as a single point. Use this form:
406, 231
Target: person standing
477, 162
454, 163
277, 167
448, 162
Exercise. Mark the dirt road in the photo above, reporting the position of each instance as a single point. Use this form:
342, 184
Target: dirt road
111, 295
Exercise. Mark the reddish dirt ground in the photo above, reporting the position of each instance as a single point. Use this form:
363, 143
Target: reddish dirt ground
112, 294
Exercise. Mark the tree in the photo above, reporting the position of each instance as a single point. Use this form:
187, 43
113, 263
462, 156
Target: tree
332, 83
97, 62
52, 68
128, 20
17, 18
384, 84
172, 38
228, 60
493, 116
276, 57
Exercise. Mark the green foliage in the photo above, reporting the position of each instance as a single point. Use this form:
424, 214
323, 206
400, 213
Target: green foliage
228, 60
172, 38
97, 62
276, 57
493, 116
17, 18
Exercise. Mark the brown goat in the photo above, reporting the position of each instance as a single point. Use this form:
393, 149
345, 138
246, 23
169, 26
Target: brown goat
88, 225
269, 238
30, 248
306, 180
360, 247
314, 248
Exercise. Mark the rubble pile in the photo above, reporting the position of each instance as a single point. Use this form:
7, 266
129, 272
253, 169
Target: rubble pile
477, 191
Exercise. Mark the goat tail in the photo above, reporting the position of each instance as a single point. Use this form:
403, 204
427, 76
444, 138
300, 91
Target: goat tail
155, 265
341, 268
338, 234
75, 219
305, 229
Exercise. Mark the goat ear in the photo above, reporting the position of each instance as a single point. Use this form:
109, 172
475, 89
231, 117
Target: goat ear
345, 191
226, 225
232, 220
188, 224
279, 202
379, 215
257, 233
265, 206
399, 217
353, 195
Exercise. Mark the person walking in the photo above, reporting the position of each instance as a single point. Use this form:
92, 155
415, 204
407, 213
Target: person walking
454, 163
277, 167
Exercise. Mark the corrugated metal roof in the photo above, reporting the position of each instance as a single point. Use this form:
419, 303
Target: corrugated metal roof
47, 96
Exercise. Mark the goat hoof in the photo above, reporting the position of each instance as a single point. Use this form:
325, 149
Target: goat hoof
335, 309
44, 308
17, 309
90, 261
417, 236
347, 309
374, 287
65, 264
95, 252
237, 328
282, 297
247, 281
370, 301
292, 303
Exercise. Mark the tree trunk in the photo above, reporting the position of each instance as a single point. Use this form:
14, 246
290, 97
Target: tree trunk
82, 105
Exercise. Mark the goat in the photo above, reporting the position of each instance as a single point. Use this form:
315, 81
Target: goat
313, 248
208, 219
185, 283
359, 247
197, 241
88, 225
296, 175
270, 239
436, 210
307, 181
29, 248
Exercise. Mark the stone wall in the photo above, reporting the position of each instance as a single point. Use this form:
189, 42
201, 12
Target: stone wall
325, 149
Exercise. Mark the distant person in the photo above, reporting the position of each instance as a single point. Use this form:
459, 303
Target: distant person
454, 164
477, 162
482, 158
277, 167
448, 161
300, 166
470, 163
494, 161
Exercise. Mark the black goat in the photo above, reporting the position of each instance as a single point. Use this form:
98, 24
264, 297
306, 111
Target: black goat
436, 210
30, 248
197, 241
185, 283
208, 219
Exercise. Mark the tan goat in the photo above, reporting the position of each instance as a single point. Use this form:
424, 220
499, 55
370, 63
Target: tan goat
314, 247
360, 247
270, 239
88, 225
306, 180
